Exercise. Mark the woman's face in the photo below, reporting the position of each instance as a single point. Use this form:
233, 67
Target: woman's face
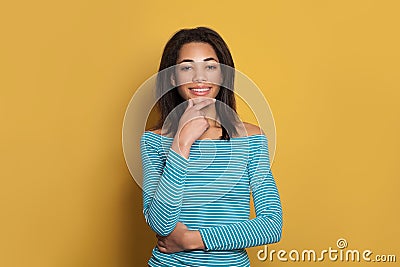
198, 73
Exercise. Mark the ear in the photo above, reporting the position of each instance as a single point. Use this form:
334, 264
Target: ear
172, 79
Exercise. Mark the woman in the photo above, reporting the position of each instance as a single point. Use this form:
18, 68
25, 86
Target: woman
200, 162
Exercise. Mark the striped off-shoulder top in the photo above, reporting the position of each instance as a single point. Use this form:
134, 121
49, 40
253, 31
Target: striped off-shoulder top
210, 192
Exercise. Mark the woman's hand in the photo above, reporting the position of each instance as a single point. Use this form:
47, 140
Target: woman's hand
180, 239
192, 125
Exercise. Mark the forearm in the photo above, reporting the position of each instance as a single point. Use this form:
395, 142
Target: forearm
163, 189
250, 233
266, 228
162, 217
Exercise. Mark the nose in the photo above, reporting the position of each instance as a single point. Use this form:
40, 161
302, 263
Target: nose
199, 75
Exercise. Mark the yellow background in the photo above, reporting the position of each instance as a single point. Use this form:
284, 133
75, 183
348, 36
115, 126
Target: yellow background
329, 69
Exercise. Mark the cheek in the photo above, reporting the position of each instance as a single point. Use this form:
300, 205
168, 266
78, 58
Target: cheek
215, 78
183, 78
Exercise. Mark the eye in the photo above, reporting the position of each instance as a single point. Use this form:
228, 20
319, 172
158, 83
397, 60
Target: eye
211, 67
185, 68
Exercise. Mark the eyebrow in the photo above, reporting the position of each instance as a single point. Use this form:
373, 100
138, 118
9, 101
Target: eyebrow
191, 60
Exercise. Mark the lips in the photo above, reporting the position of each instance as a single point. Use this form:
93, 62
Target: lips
200, 89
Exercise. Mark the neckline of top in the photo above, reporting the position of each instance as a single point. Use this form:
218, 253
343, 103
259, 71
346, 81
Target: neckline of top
202, 140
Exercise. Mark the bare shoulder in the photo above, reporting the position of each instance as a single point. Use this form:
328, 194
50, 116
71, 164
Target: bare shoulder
252, 129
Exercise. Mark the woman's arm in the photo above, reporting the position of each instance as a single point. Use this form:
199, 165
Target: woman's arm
162, 185
266, 228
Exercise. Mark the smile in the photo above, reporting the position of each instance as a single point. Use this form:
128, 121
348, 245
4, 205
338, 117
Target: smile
200, 90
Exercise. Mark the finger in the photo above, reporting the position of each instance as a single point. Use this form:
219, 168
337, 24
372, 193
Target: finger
162, 246
204, 103
190, 103
198, 100
162, 249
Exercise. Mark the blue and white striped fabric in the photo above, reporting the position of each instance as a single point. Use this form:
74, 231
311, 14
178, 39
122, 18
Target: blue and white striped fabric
210, 192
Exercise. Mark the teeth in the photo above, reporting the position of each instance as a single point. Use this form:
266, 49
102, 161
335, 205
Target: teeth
200, 90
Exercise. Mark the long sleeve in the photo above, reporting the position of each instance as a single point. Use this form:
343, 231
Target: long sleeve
163, 181
266, 228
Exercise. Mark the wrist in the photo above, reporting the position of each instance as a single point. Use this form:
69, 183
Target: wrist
184, 140
181, 148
